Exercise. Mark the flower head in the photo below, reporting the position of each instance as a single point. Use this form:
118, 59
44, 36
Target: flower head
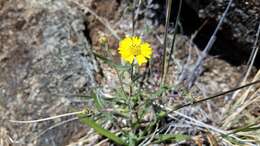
132, 48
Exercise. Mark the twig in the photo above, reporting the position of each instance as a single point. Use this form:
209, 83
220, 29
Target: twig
195, 71
185, 67
49, 118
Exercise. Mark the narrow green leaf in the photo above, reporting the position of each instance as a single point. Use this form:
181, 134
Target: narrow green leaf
97, 100
252, 127
110, 62
171, 137
100, 130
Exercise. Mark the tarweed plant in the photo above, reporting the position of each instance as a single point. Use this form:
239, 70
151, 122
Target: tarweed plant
131, 111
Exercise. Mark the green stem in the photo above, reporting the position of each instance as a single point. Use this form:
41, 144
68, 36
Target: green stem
131, 93
132, 79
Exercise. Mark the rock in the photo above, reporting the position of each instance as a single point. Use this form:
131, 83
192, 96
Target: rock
241, 22
45, 60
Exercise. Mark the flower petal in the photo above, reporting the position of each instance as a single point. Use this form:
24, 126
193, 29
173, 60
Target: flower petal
136, 41
146, 50
141, 59
125, 42
124, 52
130, 59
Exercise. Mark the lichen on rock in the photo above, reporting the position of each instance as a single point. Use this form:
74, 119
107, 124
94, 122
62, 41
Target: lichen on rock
45, 61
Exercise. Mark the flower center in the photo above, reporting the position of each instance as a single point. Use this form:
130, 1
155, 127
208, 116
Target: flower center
135, 49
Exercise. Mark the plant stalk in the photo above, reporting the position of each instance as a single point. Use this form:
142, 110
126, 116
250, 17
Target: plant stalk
174, 34
164, 65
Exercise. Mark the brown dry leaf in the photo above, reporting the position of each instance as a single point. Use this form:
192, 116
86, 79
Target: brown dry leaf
212, 139
198, 140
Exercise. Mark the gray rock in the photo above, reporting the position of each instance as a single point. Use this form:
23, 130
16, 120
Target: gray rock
45, 59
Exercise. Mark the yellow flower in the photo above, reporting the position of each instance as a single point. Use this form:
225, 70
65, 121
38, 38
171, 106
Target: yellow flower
132, 48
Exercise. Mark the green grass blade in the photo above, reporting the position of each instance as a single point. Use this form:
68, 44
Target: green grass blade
251, 127
100, 130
